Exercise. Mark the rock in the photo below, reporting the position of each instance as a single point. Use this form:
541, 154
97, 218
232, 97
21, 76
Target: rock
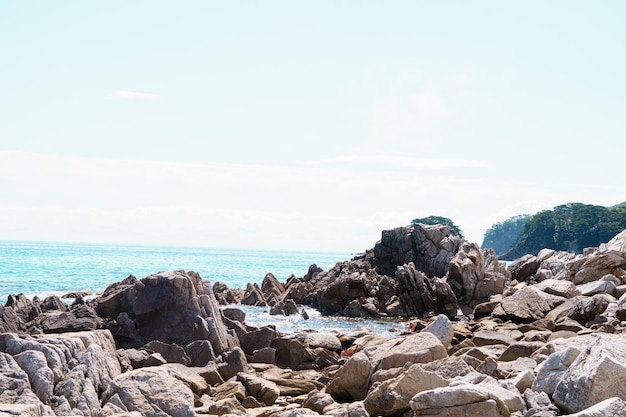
234, 314
353, 379
459, 401
229, 389
153, 392
597, 374
539, 404
605, 260
200, 352
558, 287
524, 268
233, 362
172, 307
582, 309
257, 338
520, 350
597, 287
490, 337
306, 350
392, 396
550, 371
265, 355
41, 378
263, 390
253, 296
442, 329
430, 248
527, 305
468, 278
620, 312
15, 389
294, 387
611, 407
171, 352
77, 318
227, 406
272, 289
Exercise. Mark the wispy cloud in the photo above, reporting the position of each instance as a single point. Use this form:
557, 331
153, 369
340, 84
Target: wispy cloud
406, 162
132, 95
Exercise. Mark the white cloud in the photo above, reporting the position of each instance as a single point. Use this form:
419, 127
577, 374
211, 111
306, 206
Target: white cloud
325, 206
132, 95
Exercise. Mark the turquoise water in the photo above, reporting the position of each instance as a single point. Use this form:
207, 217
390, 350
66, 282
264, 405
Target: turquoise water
44, 268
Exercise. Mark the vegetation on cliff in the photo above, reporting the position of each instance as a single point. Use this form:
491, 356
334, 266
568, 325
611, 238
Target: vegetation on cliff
569, 227
434, 220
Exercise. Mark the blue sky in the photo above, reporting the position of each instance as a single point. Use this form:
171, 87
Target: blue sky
293, 125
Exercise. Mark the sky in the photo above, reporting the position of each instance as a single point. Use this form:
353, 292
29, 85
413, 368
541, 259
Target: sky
303, 125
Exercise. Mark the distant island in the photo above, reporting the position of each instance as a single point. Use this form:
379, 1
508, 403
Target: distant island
568, 227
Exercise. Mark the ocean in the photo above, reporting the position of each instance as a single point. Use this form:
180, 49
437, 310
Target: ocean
46, 268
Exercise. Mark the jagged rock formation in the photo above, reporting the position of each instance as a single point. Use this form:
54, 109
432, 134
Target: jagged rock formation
550, 343
412, 271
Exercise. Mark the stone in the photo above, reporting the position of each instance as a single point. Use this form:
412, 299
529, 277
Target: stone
263, 390
559, 287
265, 355
491, 337
430, 248
442, 329
171, 306
611, 407
527, 305
153, 392
597, 287
171, 352
550, 371
234, 314
458, 401
200, 352
468, 278
233, 362
353, 379
597, 374
524, 268
41, 377
392, 396
520, 350
582, 309
227, 406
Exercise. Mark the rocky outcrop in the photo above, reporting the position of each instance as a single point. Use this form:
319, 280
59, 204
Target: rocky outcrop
549, 341
171, 307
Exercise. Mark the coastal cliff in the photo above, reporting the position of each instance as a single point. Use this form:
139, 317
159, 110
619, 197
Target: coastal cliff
543, 337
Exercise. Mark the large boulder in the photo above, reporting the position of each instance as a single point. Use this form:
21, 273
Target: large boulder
392, 396
527, 305
171, 306
66, 372
468, 278
153, 392
609, 257
353, 380
430, 248
597, 374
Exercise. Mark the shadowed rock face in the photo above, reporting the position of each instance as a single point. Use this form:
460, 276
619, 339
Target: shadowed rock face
171, 307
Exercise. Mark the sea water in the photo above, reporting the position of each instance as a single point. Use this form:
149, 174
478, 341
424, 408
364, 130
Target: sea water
45, 268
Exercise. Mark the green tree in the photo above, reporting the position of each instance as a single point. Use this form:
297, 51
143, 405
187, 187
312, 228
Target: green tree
432, 220
501, 236
569, 227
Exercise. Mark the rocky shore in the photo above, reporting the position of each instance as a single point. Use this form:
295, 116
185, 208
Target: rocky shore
542, 337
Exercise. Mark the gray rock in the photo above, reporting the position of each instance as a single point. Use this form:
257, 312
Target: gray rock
353, 379
527, 305
597, 374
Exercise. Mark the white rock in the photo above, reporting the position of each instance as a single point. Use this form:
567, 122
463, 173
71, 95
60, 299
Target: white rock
442, 329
